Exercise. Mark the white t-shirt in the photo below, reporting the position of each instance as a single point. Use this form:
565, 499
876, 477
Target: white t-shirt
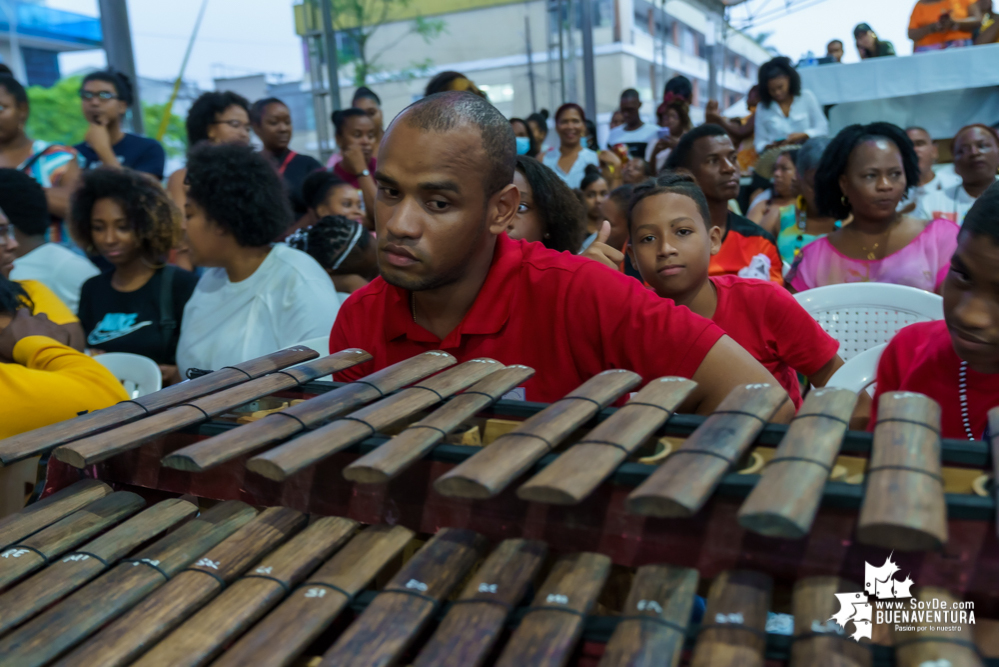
58, 268
637, 140
951, 203
289, 299
940, 181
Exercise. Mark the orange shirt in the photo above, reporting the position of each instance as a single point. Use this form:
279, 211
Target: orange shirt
928, 13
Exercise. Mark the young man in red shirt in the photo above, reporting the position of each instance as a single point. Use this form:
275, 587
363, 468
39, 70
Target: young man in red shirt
452, 280
747, 250
672, 244
955, 361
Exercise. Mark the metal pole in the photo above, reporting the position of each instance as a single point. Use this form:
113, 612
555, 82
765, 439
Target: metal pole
573, 85
16, 60
561, 53
530, 62
168, 110
589, 83
117, 37
332, 67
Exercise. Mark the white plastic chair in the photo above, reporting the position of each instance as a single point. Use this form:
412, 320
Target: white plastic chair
863, 315
785, 268
140, 375
860, 372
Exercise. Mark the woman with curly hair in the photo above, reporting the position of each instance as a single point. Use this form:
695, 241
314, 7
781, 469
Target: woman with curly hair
138, 307
549, 211
257, 297
865, 171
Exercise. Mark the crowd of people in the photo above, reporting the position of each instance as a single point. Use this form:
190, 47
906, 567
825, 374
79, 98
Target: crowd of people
670, 250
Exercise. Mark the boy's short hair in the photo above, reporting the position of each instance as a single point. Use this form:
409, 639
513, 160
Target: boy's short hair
670, 182
983, 218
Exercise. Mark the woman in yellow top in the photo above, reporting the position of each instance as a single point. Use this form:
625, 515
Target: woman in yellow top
943, 24
42, 381
42, 299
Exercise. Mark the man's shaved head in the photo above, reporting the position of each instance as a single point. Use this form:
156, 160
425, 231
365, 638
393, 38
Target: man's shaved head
443, 112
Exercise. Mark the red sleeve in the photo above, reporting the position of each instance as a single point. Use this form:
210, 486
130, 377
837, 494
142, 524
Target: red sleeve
800, 341
889, 373
341, 338
632, 327
776, 265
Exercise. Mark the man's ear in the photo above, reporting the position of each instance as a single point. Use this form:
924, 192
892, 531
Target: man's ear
715, 235
502, 207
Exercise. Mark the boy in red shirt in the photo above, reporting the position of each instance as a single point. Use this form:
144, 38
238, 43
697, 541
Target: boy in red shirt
672, 244
452, 280
955, 361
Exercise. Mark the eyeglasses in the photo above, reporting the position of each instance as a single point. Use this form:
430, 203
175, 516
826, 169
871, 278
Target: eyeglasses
103, 94
234, 124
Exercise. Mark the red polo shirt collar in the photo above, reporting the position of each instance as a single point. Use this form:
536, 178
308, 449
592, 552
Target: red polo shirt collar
488, 313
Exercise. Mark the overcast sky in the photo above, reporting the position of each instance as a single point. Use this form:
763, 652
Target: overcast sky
250, 36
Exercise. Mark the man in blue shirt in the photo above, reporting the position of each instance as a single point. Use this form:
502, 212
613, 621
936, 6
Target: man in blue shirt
104, 98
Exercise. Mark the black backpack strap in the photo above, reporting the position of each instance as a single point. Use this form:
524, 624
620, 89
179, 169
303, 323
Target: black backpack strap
168, 324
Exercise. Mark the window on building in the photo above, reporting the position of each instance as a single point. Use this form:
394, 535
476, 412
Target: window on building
498, 92
41, 66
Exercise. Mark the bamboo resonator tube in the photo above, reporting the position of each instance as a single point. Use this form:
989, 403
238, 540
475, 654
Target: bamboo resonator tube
47, 511
818, 640
35, 551
282, 462
90, 450
785, 500
58, 629
554, 622
43, 439
203, 635
653, 625
393, 620
286, 423
476, 619
733, 632
685, 481
904, 506
488, 472
390, 459
933, 647
580, 470
131, 634
310, 609
77, 568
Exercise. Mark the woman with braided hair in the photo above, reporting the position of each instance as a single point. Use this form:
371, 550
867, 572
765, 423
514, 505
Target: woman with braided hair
343, 248
865, 171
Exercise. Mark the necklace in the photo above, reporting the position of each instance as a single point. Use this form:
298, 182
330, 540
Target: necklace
800, 214
962, 388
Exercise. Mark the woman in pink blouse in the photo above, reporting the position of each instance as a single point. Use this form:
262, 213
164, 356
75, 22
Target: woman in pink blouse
866, 171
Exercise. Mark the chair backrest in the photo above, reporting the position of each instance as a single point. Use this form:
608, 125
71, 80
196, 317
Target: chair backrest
863, 315
139, 374
860, 372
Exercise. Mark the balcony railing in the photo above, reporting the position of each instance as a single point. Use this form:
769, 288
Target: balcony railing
45, 22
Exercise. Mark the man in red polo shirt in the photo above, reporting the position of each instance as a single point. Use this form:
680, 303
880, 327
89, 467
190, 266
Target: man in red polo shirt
452, 280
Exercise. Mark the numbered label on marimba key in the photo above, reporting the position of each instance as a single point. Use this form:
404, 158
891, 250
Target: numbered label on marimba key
147, 561
315, 592
735, 618
487, 588
936, 663
75, 557
416, 585
207, 562
14, 553
263, 570
557, 599
830, 627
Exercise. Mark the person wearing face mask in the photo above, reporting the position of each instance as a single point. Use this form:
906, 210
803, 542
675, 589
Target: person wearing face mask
526, 145
865, 172
138, 306
217, 118
271, 122
787, 114
327, 194
976, 160
356, 138
549, 212
570, 159
105, 97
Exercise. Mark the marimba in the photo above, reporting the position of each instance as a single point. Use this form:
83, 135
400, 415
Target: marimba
95, 577
738, 500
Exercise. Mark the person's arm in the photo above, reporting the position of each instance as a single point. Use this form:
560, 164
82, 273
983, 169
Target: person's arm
818, 124
770, 220
58, 196
99, 140
43, 381
600, 252
368, 190
916, 34
738, 131
762, 137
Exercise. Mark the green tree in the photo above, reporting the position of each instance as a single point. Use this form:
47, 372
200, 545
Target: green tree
359, 20
55, 116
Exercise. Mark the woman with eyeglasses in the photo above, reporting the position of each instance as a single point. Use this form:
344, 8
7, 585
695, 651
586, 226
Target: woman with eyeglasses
105, 97
52, 165
215, 118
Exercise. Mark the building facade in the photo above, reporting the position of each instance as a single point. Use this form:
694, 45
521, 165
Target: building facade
40, 33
